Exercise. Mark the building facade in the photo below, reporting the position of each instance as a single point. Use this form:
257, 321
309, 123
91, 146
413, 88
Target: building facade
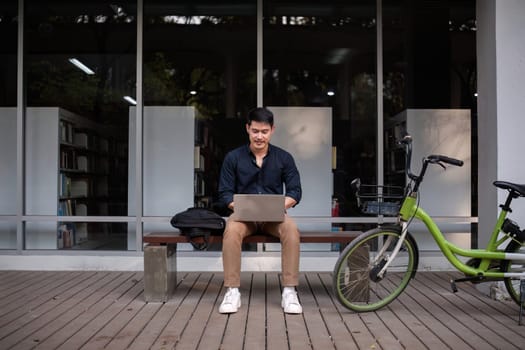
117, 116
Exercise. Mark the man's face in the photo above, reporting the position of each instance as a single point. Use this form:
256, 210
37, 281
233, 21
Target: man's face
259, 134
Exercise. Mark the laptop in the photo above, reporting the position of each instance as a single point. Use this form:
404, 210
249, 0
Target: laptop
259, 207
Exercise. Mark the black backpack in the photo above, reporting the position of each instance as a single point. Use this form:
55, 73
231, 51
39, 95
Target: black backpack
199, 222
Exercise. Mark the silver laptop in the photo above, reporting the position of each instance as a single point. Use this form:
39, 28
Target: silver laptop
258, 207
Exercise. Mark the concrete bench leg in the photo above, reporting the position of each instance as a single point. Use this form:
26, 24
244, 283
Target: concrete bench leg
160, 272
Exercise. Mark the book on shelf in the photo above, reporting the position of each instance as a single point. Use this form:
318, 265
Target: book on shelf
82, 163
81, 209
198, 159
81, 139
68, 159
199, 185
64, 189
81, 232
66, 207
66, 131
80, 188
65, 235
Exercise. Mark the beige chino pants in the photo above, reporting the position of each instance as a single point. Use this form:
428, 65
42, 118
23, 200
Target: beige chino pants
235, 232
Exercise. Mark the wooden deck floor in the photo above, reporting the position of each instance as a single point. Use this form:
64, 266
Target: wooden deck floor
95, 310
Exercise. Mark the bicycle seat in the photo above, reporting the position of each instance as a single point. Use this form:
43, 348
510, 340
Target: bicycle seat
519, 189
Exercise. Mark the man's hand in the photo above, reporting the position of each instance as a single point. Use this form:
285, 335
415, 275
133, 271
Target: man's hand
289, 202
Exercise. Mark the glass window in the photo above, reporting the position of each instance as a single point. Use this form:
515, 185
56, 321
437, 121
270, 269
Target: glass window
199, 81
429, 55
429, 51
8, 116
323, 55
80, 83
202, 55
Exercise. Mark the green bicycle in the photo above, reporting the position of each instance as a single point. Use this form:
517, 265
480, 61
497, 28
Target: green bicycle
377, 266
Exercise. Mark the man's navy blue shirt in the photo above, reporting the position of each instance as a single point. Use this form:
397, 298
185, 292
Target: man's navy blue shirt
240, 174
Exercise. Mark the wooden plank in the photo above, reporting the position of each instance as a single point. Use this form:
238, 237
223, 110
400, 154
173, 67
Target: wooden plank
171, 335
9, 276
500, 317
12, 277
423, 331
409, 330
47, 286
16, 281
62, 327
131, 330
296, 330
399, 329
14, 290
34, 303
459, 316
106, 309
143, 312
236, 325
346, 331
160, 322
508, 309
411, 333
30, 322
216, 325
276, 327
318, 335
122, 282
431, 315
255, 337
380, 331
199, 320
119, 302
474, 327
297, 334
106, 334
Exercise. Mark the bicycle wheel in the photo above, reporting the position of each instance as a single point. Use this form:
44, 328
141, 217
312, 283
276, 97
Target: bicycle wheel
513, 284
356, 283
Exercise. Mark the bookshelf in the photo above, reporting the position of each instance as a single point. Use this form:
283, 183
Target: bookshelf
71, 162
206, 168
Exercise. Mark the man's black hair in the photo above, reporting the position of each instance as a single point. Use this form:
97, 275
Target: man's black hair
260, 114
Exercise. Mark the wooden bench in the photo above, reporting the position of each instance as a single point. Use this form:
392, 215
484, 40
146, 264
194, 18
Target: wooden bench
160, 256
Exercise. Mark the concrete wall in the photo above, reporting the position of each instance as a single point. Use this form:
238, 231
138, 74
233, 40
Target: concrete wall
501, 106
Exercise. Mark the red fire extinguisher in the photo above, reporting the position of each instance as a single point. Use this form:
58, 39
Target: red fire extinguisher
335, 207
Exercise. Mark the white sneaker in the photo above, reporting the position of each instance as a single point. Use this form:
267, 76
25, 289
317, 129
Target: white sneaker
231, 302
290, 303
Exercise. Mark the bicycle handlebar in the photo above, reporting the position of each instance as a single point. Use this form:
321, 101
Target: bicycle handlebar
436, 158
432, 159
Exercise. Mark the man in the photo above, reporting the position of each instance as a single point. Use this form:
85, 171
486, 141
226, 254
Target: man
260, 168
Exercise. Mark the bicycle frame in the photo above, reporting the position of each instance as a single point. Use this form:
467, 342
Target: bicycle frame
394, 249
410, 209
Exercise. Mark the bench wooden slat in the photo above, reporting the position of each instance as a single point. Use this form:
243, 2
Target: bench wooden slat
156, 238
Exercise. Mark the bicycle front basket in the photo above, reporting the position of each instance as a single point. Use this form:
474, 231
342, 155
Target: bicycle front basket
380, 200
